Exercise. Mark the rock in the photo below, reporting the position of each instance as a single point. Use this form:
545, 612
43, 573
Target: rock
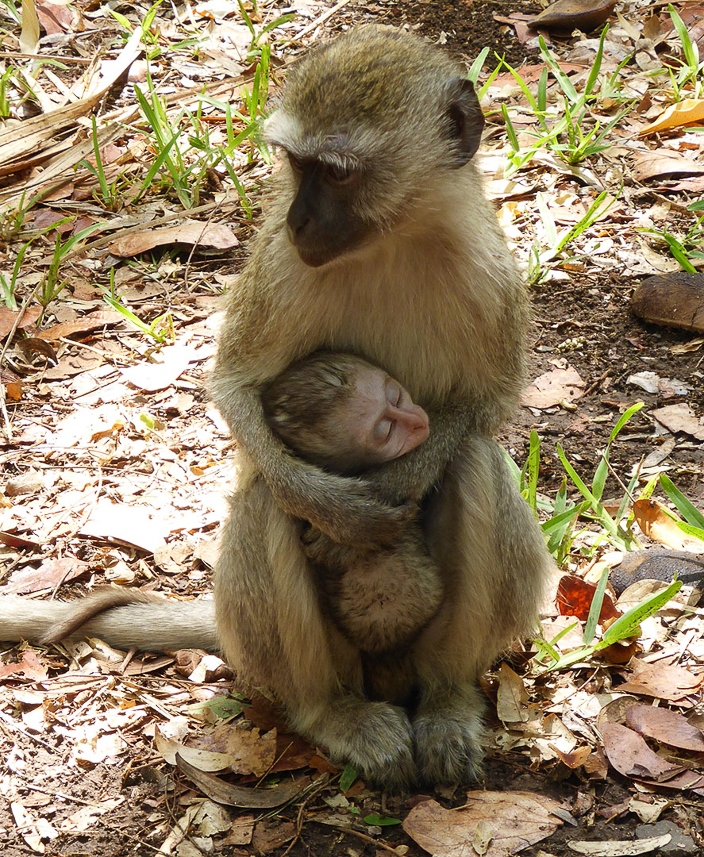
658, 564
573, 14
679, 846
672, 300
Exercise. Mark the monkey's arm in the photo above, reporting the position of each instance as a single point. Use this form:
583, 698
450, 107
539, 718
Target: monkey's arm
122, 619
344, 508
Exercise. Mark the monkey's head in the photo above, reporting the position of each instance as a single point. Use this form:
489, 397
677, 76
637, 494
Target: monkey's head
343, 413
369, 122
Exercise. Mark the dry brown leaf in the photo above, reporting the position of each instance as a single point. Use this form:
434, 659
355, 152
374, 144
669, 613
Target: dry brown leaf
269, 835
576, 758
650, 164
570, 14
231, 795
554, 387
49, 575
630, 755
30, 666
680, 417
57, 17
243, 751
29, 37
209, 236
667, 726
515, 819
34, 345
662, 681
512, 697
657, 525
685, 112
101, 318
9, 316
619, 847
240, 832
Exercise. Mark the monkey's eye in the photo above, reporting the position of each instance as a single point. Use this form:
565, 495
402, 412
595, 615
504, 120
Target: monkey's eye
393, 393
296, 163
382, 430
340, 175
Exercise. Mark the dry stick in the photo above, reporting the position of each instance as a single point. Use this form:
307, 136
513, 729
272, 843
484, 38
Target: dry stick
18, 55
620, 481
299, 817
321, 19
378, 842
595, 384
10, 335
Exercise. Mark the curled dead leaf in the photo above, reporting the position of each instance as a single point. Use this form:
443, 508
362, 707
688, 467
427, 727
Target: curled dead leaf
657, 525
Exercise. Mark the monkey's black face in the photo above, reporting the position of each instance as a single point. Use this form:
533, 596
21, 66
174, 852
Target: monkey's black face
321, 221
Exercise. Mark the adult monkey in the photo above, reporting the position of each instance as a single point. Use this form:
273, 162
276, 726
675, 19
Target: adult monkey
379, 242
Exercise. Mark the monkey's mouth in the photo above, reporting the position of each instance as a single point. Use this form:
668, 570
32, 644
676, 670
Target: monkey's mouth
314, 259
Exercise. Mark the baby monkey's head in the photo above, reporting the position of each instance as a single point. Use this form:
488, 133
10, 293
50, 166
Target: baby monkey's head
343, 413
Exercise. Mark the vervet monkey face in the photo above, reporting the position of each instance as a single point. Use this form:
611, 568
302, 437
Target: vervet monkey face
321, 222
380, 419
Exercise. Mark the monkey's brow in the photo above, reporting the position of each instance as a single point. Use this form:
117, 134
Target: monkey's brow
333, 150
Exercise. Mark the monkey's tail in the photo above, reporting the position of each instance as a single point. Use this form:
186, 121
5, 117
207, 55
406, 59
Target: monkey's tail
122, 618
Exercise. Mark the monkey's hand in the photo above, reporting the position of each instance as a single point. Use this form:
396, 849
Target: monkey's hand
344, 509
321, 549
414, 474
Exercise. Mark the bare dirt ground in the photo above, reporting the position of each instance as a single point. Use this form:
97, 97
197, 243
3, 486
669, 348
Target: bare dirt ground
99, 434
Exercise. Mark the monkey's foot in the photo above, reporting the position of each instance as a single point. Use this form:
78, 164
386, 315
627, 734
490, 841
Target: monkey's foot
375, 737
449, 739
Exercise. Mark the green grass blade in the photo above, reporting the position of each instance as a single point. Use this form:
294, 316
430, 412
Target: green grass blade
628, 624
595, 609
688, 511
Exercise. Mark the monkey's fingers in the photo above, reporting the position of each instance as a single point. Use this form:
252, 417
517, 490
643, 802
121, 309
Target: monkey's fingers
372, 524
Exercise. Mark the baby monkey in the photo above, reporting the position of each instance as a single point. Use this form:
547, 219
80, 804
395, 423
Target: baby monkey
344, 414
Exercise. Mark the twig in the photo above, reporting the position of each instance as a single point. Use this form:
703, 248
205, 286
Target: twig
618, 478
595, 384
321, 19
299, 818
9, 722
378, 842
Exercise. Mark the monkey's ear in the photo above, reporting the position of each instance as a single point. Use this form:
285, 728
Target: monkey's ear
466, 119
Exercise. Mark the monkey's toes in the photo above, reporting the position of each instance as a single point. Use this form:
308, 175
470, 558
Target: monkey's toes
379, 745
448, 750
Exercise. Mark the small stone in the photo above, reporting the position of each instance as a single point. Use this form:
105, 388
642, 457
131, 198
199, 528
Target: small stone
573, 14
679, 846
672, 300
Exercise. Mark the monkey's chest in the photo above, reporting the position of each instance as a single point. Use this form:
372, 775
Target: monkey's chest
434, 340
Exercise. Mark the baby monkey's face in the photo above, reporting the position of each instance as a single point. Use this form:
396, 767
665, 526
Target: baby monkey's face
382, 421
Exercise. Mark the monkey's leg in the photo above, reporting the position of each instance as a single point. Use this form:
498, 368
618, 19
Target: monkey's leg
493, 557
274, 632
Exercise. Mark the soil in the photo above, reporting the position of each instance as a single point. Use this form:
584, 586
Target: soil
587, 323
